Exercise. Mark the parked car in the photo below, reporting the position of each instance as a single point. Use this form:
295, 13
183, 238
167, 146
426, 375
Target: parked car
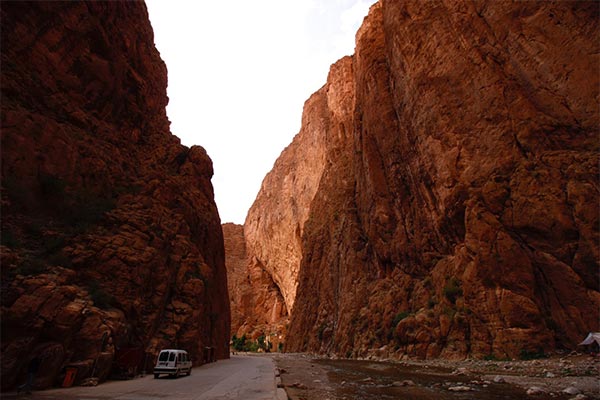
173, 362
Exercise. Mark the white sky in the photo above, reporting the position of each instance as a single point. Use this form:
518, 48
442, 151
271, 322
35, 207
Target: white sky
239, 74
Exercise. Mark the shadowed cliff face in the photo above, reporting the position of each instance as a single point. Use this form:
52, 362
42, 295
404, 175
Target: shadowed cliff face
452, 206
111, 237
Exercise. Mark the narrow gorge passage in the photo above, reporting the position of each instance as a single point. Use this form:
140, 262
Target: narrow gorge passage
438, 203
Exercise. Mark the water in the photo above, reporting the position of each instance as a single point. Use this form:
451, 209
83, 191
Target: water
374, 380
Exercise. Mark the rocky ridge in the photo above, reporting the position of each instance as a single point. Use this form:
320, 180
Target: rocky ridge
451, 207
111, 239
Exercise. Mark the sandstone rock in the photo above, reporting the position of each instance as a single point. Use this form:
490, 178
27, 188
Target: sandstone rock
298, 385
499, 379
580, 396
535, 391
460, 389
114, 236
257, 304
90, 382
440, 196
406, 382
460, 371
571, 390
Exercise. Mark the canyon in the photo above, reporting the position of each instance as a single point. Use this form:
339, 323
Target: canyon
441, 198
112, 247
439, 201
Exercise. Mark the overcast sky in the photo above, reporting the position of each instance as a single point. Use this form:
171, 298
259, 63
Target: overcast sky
239, 73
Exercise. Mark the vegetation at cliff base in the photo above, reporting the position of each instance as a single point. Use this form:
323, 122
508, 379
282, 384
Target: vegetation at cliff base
244, 344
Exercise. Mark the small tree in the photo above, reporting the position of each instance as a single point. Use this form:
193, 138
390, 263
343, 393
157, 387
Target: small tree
261, 342
453, 290
239, 344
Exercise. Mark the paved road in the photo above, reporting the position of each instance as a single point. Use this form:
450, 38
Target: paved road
241, 377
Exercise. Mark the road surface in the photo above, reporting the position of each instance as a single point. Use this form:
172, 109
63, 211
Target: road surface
241, 377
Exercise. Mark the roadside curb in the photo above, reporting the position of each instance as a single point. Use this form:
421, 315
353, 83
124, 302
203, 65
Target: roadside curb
281, 394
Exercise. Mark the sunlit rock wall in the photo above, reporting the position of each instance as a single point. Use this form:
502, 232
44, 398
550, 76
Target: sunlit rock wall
452, 209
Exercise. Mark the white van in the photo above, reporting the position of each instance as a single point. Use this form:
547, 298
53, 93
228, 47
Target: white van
173, 362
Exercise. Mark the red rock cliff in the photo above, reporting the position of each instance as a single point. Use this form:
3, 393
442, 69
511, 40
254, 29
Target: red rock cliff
111, 237
257, 306
452, 208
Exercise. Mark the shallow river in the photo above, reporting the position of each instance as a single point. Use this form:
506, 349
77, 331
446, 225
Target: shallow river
306, 378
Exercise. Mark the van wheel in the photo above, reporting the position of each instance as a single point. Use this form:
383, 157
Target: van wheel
189, 372
156, 376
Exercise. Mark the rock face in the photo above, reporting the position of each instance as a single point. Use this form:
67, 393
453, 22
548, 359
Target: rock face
275, 223
257, 306
452, 207
111, 239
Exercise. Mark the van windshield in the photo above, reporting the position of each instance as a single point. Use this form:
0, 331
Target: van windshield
163, 356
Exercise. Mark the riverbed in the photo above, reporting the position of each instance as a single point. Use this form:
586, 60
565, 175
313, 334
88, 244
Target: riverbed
308, 377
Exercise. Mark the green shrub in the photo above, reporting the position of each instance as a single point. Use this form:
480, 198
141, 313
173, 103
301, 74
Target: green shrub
261, 342
532, 355
252, 347
52, 186
60, 259
453, 290
320, 332
428, 282
431, 302
239, 343
8, 239
31, 266
243, 344
100, 298
399, 317
53, 243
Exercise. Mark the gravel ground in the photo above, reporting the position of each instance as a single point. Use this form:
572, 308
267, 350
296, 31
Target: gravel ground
553, 374
306, 377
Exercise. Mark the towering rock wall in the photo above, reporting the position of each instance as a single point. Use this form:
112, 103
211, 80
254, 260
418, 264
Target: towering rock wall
110, 235
275, 223
455, 210
257, 306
